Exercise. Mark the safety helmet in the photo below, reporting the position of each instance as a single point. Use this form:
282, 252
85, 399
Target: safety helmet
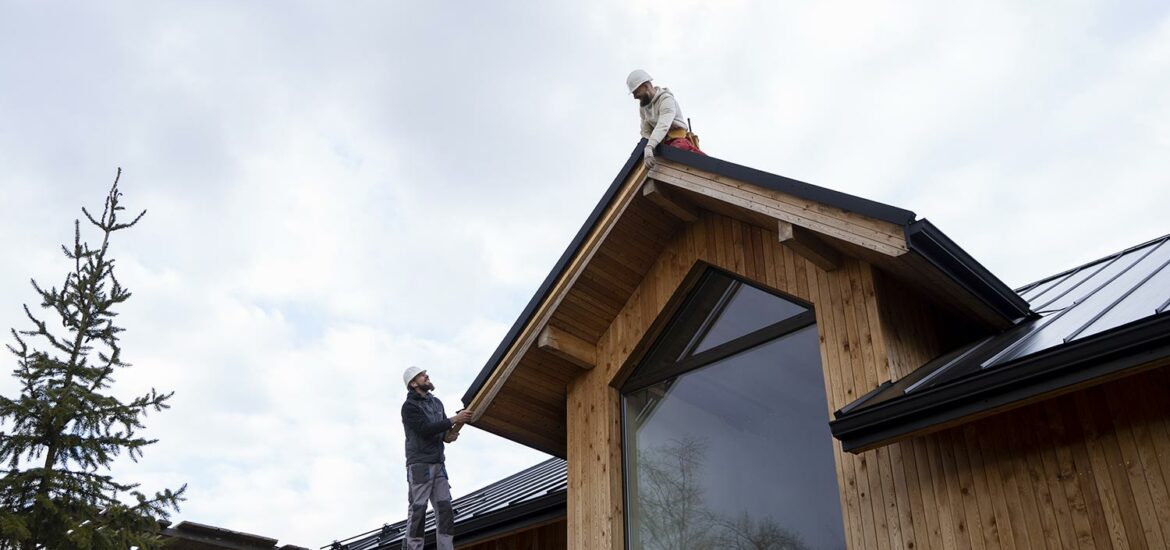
409, 375
637, 78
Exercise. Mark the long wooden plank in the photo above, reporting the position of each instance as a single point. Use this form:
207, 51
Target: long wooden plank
884, 244
862, 226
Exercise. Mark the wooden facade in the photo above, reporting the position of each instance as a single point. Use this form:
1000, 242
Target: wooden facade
544, 537
1088, 469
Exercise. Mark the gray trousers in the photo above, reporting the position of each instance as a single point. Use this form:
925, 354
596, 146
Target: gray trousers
429, 482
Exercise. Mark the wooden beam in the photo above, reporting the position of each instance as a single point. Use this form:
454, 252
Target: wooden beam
884, 237
567, 347
675, 206
806, 244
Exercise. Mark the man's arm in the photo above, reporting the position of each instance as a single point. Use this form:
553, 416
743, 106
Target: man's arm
414, 419
667, 109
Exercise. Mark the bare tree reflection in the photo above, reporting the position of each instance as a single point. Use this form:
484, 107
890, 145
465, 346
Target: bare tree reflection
746, 533
673, 513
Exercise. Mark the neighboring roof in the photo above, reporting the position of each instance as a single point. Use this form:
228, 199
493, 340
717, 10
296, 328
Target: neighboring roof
528, 498
188, 535
922, 238
1092, 321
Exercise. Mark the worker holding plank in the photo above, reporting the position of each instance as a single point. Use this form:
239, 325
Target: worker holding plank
428, 429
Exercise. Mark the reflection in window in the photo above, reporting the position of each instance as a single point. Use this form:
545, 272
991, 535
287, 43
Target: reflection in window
734, 453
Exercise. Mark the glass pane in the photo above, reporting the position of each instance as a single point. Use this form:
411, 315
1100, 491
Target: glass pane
749, 309
736, 454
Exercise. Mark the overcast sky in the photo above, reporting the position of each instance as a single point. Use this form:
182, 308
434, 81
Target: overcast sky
339, 190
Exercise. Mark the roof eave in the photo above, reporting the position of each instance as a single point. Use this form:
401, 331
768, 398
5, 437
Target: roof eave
940, 251
1103, 357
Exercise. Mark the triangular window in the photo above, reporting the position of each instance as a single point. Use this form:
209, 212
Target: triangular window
722, 316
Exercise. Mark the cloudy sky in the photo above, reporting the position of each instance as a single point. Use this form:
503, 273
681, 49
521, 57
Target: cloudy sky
336, 191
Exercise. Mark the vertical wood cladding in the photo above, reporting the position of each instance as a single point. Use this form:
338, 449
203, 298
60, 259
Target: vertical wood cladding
1085, 470
544, 537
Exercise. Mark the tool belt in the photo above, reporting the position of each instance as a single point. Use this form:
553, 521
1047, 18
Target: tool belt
682, 133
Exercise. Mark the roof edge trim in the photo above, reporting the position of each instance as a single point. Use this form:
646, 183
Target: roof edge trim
1079, 362
815, 193
925, 239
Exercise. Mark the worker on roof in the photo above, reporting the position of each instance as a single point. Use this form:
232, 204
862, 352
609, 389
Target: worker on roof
662, 119
428, 428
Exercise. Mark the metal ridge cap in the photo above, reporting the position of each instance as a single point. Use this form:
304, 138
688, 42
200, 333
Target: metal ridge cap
775, 182
557, 270
927, 240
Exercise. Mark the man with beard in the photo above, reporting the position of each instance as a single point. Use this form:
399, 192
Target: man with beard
661, 117
427, 428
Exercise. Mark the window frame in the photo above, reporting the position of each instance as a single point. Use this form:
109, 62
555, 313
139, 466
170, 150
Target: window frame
712, 355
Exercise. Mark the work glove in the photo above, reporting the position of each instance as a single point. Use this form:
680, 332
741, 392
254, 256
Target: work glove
648, 156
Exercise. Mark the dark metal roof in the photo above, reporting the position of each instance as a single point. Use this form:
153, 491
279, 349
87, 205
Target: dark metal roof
922, 238
530, 497
1093, 320
188, 535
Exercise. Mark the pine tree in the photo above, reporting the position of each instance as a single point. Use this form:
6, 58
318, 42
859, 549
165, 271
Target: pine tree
63, 431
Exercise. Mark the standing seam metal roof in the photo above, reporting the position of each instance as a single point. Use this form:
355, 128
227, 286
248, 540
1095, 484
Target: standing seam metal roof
486, 507
1083, 306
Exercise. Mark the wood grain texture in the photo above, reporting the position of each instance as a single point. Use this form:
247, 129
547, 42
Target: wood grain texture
549, 536
1087, 469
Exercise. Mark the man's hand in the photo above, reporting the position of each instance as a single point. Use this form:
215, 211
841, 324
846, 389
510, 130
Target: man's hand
462, 417
451, 436
648, 156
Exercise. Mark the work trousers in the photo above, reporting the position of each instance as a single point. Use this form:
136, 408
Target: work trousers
429, 482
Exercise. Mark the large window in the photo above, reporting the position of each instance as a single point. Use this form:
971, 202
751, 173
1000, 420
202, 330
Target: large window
726, 431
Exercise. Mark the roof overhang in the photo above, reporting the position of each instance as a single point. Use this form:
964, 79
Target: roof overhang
1072, 366
521, 392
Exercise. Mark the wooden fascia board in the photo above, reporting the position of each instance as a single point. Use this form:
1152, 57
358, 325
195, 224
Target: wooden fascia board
528, 336
877, 235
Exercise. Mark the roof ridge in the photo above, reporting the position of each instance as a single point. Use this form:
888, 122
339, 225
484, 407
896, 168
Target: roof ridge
1029, 286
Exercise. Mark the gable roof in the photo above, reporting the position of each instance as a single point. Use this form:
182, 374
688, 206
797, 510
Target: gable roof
1092, 321
527, 498
520, 392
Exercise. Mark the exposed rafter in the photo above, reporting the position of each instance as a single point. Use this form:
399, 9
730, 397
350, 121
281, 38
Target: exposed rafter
676, 206
567, 347
806, 244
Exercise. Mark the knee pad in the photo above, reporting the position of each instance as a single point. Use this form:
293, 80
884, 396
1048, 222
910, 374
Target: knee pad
444, 518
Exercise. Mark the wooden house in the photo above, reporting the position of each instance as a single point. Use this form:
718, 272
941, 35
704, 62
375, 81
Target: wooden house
726, 358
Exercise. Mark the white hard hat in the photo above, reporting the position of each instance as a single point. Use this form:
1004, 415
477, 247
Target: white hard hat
409, 375
637, 78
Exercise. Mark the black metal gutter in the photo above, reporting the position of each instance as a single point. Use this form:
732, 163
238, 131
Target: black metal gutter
1106, 354
555, 274
929, 242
